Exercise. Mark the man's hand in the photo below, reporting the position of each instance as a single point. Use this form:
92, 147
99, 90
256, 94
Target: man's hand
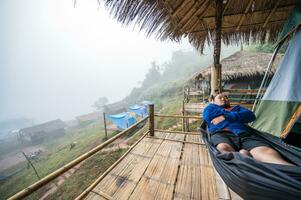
218, 119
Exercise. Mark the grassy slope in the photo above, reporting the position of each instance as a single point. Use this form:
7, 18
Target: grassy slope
57, 155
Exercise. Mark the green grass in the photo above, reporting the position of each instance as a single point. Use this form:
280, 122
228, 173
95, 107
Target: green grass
171, 106
57, 154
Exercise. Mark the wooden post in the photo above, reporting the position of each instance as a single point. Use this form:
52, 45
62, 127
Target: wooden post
183, 113
105, 124
34, 169
151, 119
188, 96
187, 125
216, 69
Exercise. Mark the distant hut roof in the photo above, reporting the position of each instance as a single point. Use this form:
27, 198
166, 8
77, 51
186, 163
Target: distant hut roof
89, 117
115, 108
240, 65
45, 127
255, 20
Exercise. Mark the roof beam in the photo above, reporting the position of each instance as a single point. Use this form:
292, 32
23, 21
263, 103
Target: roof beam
201, 16
226, 6
240, 15
179, 8
204, 12
242, 18
271, 13
186, 15
204, 7
243, 26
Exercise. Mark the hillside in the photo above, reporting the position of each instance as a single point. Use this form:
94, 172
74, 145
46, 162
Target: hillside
163, 85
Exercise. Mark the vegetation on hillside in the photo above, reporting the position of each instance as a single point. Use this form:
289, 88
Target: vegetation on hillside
267, 47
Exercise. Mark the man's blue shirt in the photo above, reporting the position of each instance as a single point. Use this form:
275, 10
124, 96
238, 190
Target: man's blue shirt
235, 119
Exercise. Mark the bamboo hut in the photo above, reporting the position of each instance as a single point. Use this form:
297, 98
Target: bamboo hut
242, 75
242, 70
38, 133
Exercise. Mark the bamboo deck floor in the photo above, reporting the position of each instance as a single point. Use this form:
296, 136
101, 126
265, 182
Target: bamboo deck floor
158, 168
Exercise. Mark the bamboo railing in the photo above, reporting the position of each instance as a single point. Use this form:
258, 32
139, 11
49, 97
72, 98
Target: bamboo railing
35, 186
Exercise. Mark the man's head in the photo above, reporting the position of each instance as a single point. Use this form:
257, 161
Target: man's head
220, 99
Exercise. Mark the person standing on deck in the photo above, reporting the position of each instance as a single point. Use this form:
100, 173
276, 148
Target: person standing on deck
229, 132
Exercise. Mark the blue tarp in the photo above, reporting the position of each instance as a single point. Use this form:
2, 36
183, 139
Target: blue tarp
139, 110
122, 120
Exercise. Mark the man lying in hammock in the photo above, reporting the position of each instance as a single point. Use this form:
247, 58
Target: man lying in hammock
229, 133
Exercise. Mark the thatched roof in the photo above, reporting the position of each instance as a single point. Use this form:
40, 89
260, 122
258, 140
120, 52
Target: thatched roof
89, 117
255, 20
46, 127
242, 64
115, 108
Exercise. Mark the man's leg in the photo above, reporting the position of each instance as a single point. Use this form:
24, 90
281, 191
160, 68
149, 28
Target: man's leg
224, 148
223, 141
245, 152
268, 155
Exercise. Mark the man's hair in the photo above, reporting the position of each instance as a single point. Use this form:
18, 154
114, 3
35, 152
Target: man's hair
212, 96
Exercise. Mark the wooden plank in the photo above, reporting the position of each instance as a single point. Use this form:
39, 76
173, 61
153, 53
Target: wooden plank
195, 178
222, 189
121, 181
150, 189
160, 176
194, 138
189, 183
209, 189
97, 196
194, 107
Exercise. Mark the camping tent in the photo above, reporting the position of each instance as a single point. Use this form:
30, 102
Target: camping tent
122, 120
140, 110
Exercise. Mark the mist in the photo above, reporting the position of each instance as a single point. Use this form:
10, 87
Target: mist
56, 59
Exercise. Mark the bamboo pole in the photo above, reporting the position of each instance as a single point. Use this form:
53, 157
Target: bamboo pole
178, 116
34, 169
183, 113
187, 129
259, 94
105, 124
92, 186
216, 69
177, 132
151, 120
27, 191
173, 140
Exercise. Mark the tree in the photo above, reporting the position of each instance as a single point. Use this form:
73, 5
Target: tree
100, 103
153, 75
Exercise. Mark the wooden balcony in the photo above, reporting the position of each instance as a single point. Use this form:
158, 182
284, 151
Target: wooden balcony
165, 166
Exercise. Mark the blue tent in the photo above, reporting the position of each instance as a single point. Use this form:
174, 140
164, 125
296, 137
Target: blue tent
139, 110
122, 120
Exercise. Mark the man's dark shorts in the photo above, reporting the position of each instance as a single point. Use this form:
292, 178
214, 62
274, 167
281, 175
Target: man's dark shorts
246, 140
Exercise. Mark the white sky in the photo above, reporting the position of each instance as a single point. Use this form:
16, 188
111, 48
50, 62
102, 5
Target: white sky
56, 60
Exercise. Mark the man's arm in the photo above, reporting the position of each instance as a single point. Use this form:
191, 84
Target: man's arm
211, 112
243, 115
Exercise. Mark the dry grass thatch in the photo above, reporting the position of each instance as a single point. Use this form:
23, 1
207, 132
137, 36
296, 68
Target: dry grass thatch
246, 20
242, 64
